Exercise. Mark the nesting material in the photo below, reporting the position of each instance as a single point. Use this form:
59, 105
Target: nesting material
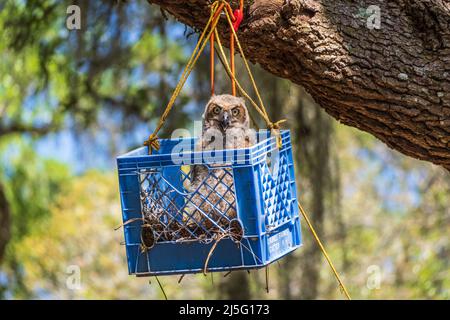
154, 230
203, 213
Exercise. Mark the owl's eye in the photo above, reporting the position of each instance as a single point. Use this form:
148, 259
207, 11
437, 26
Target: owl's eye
217, 110
235, 112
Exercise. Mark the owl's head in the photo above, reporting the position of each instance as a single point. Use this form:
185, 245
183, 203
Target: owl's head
226, 111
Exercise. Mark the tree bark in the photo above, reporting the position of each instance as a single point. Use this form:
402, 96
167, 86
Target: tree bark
313, 135
5, 223
393, 82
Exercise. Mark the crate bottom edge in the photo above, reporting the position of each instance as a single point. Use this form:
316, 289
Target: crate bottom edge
217, 269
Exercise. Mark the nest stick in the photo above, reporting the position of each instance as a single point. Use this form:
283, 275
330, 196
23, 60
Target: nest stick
162, 288
127, 222
205, 269
228, 273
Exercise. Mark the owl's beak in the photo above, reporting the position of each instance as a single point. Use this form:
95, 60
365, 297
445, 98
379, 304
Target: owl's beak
225, 121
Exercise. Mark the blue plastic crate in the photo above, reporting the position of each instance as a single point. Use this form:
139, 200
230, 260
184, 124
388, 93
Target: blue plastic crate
260, 189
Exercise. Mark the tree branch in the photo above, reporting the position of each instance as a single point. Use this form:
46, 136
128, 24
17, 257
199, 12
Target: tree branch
393, 82
18, 128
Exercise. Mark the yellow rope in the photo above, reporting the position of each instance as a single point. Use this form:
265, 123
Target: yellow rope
273, 126
252, 80
232, 76
153, 143
324, 252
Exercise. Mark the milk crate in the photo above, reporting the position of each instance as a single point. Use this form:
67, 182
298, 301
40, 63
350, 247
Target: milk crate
243, 214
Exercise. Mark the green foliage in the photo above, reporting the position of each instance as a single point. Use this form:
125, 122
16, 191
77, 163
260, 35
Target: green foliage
31, 185
55, 72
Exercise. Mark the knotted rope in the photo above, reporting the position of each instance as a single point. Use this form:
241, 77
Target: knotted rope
210, 32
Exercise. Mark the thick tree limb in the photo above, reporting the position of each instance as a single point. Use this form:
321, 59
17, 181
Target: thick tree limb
393, 82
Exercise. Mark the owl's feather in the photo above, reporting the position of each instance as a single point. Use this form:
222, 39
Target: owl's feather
226, 125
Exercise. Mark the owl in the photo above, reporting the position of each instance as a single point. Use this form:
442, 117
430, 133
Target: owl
226, 125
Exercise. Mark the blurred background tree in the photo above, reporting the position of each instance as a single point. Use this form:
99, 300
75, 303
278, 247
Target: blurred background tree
71, 101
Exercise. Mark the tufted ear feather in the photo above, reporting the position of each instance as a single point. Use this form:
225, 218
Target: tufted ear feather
247, 115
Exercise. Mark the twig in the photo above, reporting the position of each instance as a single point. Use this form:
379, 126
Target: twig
205, 269
127, 222
226, 274
161, 287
